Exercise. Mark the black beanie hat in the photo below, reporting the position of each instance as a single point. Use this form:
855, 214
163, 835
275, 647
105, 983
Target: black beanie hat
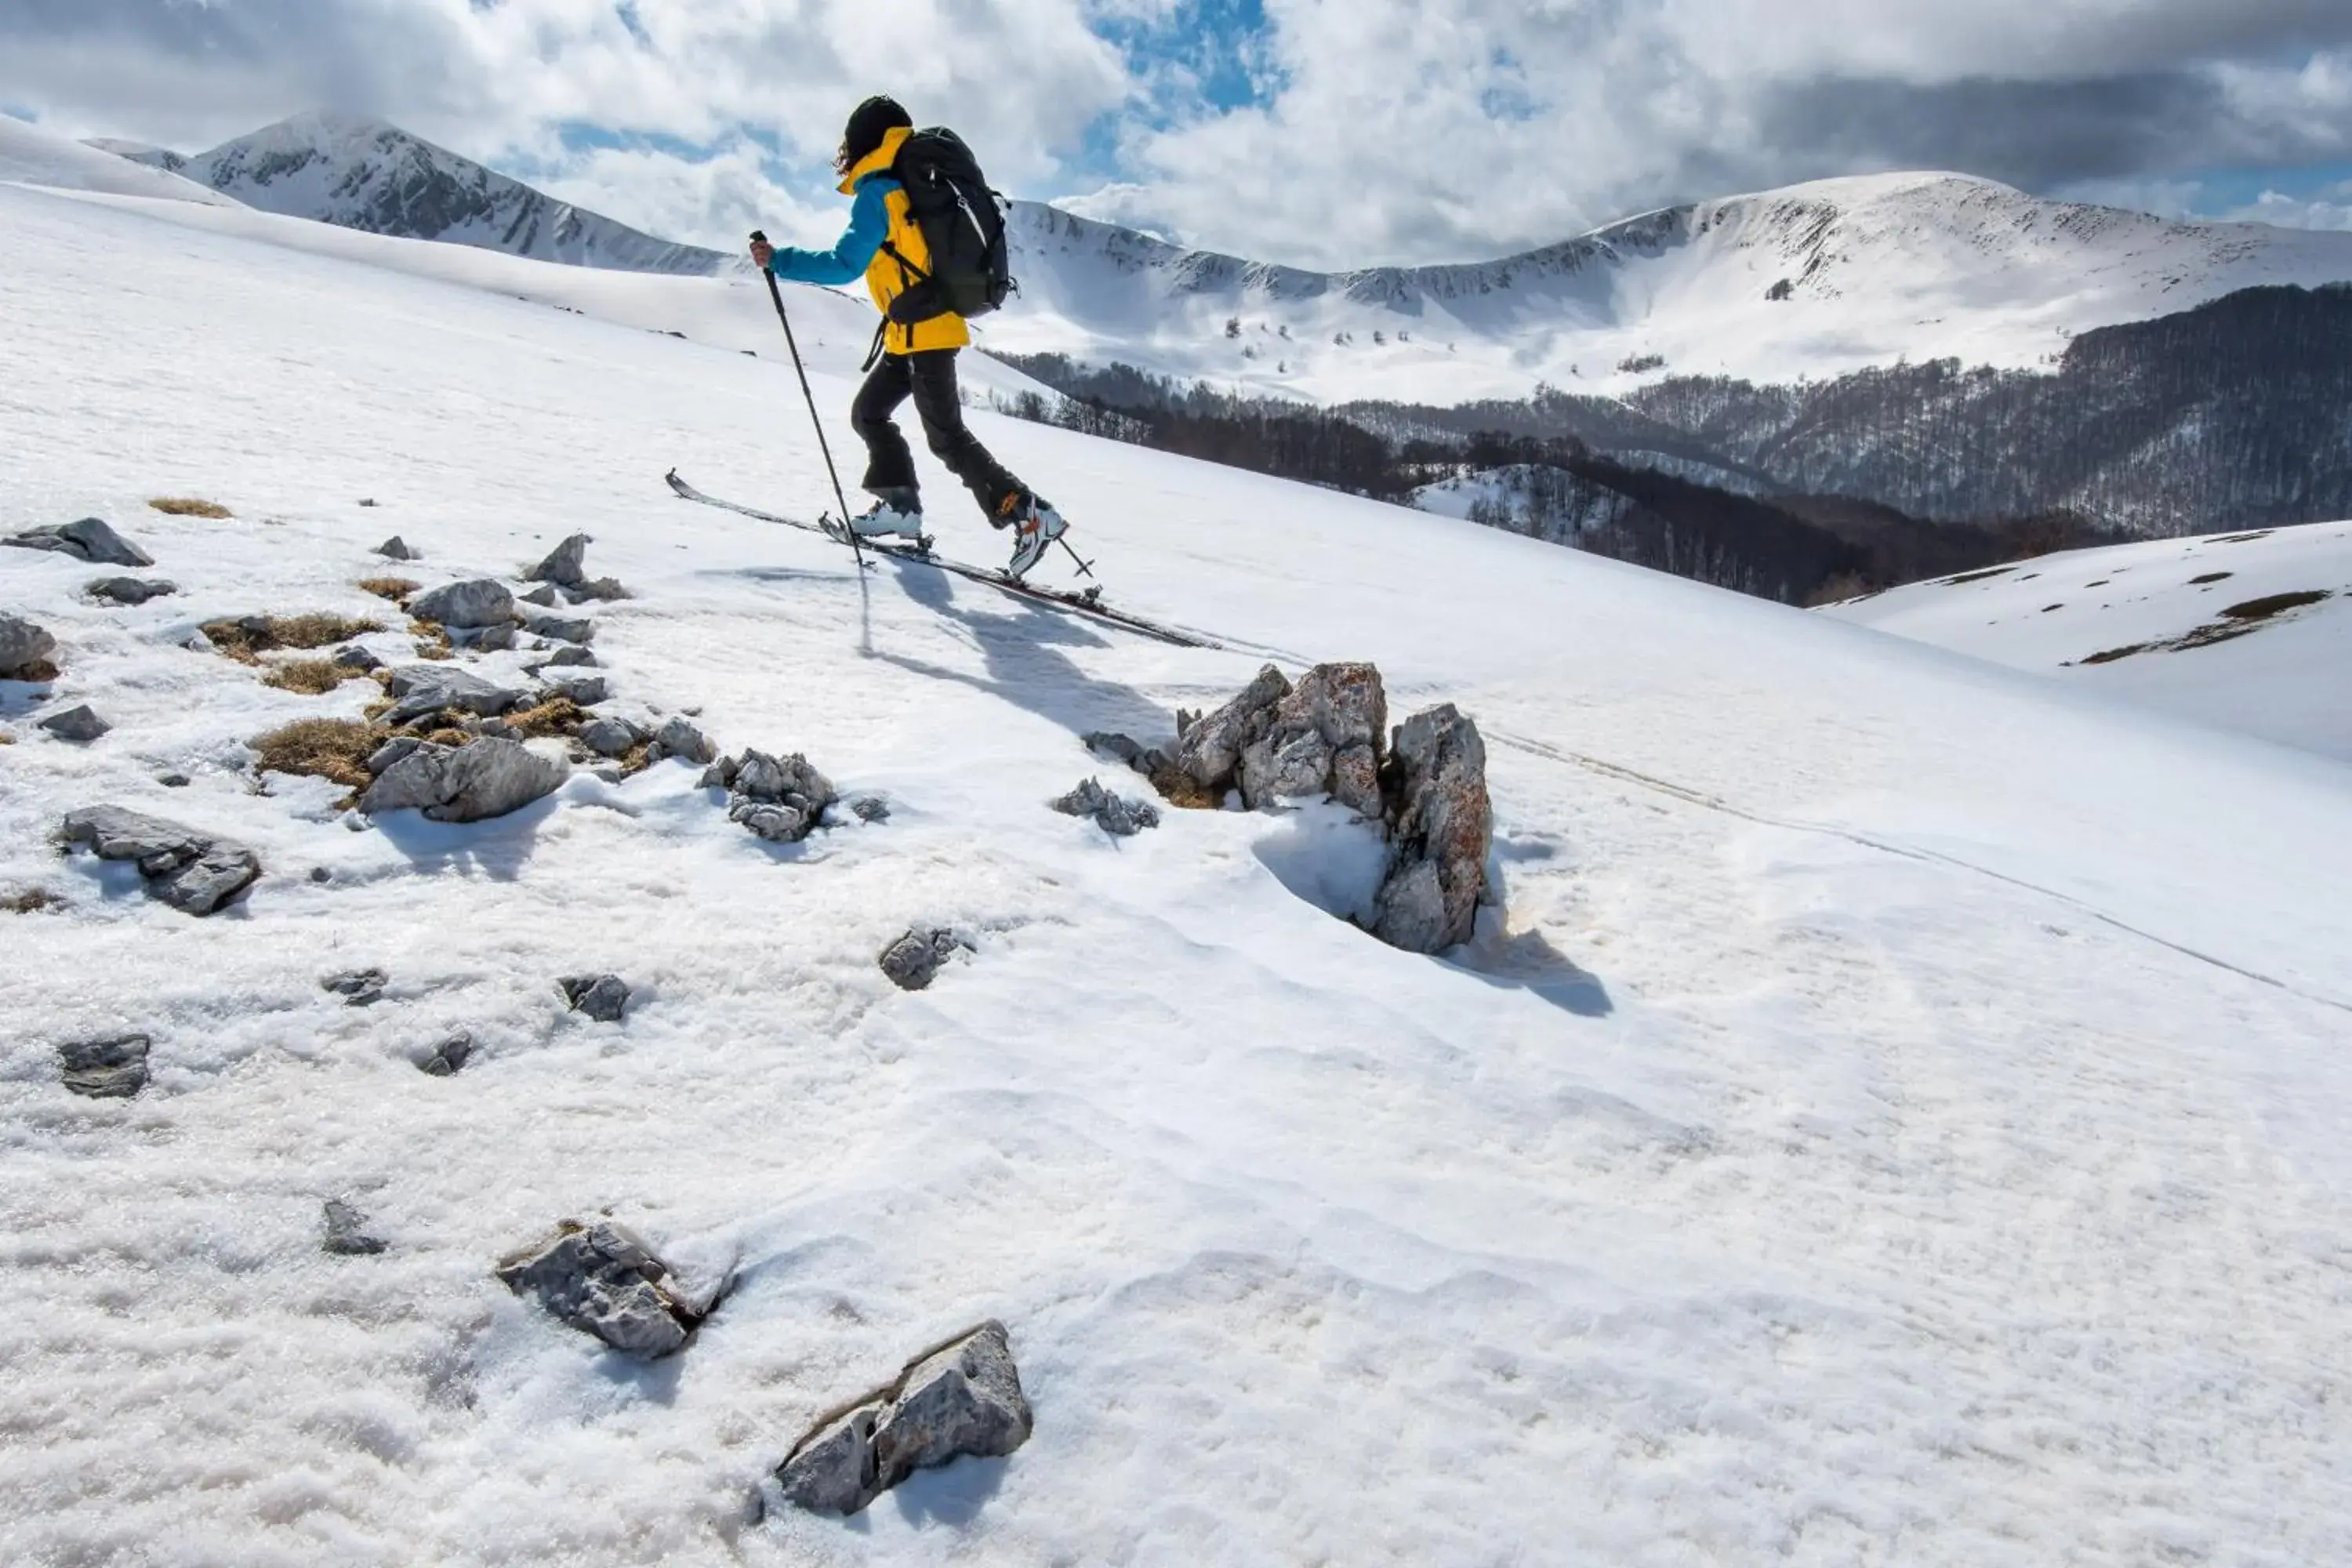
868, 123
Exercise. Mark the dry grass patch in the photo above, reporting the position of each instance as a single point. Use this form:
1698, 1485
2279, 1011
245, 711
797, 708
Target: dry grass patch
311, 676
336, 749
396, 589
557, 718
189, 506
245, 639
39, 673
2262, 609
32, 900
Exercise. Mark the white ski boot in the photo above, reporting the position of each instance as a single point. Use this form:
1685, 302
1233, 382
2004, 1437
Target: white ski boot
894, 516
1035, 525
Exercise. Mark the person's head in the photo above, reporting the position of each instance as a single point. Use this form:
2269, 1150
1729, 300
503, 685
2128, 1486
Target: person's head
868, 123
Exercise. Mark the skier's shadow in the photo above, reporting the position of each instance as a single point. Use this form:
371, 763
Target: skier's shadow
1025, 664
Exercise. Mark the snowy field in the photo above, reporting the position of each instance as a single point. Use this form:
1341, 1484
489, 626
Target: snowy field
1902, 1120
2247, 631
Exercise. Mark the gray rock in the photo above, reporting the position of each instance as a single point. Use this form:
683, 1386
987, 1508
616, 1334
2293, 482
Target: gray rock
562, 628
1118, 817
610, 737
347, 1233
603, 590
450, 1056
1324, 738
350, 656
130, 590
962, 1399
1440, 831
193, 872
587, 690
489, 640
566, 564
395, 548
430, 687
600, 997
483, 601
1208, 747
391, 752
88, 540
914, 959
76, 724
679, 737
1123, 748
481, 779
321, 874
23, 646
544, 597
871, 809
561, 659
111, 1069
358, 987
602, 1280
783, 800
173, 781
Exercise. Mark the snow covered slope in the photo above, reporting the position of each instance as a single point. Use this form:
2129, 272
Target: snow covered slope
146, 153
365, 174
1816, 279
1902, 1119
29, 155
2247, 631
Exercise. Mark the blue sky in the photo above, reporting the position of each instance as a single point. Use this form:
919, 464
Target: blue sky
1316, 132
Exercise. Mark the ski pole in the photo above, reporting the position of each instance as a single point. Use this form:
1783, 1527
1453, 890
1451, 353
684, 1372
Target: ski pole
823, 446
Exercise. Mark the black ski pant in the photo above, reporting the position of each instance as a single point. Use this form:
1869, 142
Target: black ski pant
930, 379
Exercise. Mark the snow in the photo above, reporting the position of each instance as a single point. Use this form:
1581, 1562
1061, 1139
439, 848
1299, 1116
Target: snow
2285, 680
1880, 268
31, 156
1902, 1120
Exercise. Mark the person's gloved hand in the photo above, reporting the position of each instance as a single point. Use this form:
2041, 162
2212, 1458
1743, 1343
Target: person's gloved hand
761, 254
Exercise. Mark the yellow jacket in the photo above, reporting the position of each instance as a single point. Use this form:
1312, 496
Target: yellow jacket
885, 278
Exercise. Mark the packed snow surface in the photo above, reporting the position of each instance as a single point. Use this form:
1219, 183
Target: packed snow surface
2249, 631
31, 156
1901, 1117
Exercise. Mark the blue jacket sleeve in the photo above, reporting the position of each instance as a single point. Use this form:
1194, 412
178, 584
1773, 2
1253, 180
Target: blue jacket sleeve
869, 223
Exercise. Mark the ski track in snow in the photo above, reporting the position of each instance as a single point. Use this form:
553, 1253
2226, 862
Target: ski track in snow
1758, 1195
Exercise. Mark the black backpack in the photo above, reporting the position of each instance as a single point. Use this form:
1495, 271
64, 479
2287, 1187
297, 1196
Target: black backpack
963, 226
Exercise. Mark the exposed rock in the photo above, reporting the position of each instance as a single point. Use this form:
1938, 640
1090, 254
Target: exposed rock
679, 737
391, 752
566, 564
192, 871
322, 875
111, 1069
783, 800
871, 809
610, 737
720, 775
585, 691
602, 591
353, 656
173, 781
562, 628
1119, 818
914, 959
88, 540
1441, 829
561, 658
483, 601
76, 724
1123, 748
1208, 747
604, 1281
450, 1056
600, 997
489, 640
962, 1398
347, 1233
395, 548
358, 987
1324, 739
544, 597
428, 688
130, 590
483, 778
24, 650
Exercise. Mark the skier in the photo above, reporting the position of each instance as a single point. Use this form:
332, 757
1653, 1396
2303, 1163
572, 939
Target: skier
917, 359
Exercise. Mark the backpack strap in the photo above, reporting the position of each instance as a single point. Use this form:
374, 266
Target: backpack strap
892, 252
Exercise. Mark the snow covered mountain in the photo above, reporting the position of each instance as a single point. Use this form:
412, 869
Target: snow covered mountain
1813, 280
367, 175
2246, 631
145, 152
32, 156
1896, 1113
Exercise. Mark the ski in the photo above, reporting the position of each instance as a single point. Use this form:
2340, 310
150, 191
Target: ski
1083, 602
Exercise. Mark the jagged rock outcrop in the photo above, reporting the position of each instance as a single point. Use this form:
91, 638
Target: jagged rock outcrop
1207, 759
566, 565
194, 872
962, 1398
679, 737
1119, 817
482, 602
111, 1069
913, 961
130, 590
395, 548
80, 724
782, 799
346, 1232
602, 1280
24, 650
1441, 827
481, 779
1323, 738
91, 539
602, 998
450, 1056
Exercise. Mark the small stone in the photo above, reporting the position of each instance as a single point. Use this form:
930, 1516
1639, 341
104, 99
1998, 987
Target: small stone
602, 1280
24, 650
584, 691
914, 960
610, 737
566, 564
679, 737
450, 1056
601, 998
871, 809
358, 987
321, 874
347, 1233
193, 872
430, 687
395, 548
544, 597
130, 590
562, 628
79, 724
610, 773
350, 656
960, 1400
603, 590
491, 639
482, 602
174, 781
88, 539
111, 1069
1119, 817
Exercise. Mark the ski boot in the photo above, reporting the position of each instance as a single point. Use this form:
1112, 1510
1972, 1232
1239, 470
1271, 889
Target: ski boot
894, 514
1035, 526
